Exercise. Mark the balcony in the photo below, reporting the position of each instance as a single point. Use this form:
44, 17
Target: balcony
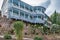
26, 19
18, 7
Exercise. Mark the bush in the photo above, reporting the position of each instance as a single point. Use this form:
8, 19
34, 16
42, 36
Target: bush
46, 30
7, 36
38, 38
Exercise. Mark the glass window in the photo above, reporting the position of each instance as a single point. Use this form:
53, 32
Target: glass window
39, 9
10, 1
21, 5
15, 12
31, 9
26, 15
21, 14
27, 8
39, 16
31, 17
35, 16
42, 17
15, 2
10, 10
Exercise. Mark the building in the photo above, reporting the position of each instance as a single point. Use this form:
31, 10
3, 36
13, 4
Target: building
19, 10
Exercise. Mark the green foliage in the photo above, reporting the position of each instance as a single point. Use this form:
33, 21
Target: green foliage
37, 25
55, 28
55, 17
7, 36
46, 30
38, 38
56, 21
18, 27
34, 27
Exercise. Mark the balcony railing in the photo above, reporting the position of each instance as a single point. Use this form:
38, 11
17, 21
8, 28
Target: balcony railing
18, 7
26, 19
37, 20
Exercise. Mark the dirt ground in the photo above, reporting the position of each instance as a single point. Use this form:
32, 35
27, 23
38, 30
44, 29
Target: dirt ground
51, 37
45, 37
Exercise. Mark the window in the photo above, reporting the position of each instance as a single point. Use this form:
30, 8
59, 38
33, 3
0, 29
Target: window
21, 4
42, 10
35, 16
39, 16
31, 9
21, 14
10, 10
26, 15
39, 9
15, 12
31, 17
42, 17
26, 7
10, 1
15, 2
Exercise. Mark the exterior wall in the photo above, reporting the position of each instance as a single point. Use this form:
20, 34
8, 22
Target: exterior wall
19, 10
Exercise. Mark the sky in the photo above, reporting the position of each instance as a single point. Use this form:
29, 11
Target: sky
51, 5
55, 5
1, 1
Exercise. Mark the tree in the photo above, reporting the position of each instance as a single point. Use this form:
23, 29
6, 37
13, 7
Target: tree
55, 17
55, 28
56, 22
18, 27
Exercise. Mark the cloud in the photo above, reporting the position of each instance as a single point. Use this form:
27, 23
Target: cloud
55, 5
46, 4
34, 2
1, 3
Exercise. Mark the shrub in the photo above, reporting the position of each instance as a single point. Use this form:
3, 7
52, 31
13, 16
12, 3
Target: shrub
18, 28
7, 36
38, 38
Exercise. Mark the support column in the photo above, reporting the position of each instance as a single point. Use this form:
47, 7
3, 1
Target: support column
33, 9
19, 7
24, 12
12, 2
12, 11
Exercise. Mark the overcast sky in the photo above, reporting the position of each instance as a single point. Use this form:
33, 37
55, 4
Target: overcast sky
1, 3
54, 5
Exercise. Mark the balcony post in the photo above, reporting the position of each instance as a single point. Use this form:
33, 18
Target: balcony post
33, 9
12, 2
12, 11
24, 6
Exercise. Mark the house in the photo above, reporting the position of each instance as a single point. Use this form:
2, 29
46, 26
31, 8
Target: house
19, 10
